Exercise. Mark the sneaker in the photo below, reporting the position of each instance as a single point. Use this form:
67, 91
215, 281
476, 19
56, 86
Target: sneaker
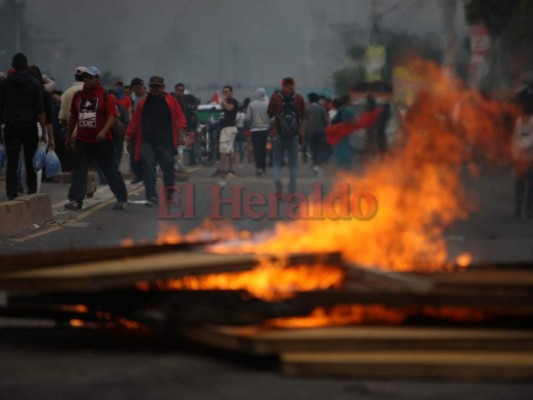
73, 205
152, 202
119, 205
136, 180
259, 172
231, 174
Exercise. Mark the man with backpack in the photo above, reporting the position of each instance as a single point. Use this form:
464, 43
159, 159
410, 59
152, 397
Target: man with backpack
93, 112
288, 110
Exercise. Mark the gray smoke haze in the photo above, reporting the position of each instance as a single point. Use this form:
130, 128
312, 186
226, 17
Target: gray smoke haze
209, 43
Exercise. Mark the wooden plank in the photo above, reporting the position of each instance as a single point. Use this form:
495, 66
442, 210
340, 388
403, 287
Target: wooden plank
436, 365
482, 278
514, 301
257, 340
95, 276
33, 260
388, 281
107, 274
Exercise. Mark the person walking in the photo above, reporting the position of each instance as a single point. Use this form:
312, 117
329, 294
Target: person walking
315, 123
228, 131
157, 129
288, 110
522, 153
93, 112
258, 121
21, 107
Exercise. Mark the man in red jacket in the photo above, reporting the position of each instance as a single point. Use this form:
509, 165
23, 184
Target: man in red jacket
158, 128
93, 112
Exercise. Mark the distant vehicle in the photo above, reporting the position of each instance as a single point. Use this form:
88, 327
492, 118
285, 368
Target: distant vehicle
208, 112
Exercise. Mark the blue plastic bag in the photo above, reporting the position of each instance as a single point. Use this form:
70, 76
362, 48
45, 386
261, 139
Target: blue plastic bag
53, 165
2, 156
39, 158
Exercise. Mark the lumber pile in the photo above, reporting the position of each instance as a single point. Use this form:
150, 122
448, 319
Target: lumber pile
472, 324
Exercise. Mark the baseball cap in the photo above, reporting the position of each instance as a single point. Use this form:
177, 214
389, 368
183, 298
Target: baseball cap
80, 70
136, 82
93, 71
157, 81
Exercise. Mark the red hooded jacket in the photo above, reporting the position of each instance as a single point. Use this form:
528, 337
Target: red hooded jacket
135, 126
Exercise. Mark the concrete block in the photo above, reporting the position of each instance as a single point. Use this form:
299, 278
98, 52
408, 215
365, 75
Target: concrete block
39, 207
14, 217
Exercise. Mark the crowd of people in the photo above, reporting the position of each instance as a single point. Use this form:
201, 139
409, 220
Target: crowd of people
90, 126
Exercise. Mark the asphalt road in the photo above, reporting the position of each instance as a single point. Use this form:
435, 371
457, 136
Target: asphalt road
65, 364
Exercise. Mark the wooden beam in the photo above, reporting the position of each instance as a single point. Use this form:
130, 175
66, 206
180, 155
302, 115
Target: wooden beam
36, 260
388, 281
258, 340
486, 366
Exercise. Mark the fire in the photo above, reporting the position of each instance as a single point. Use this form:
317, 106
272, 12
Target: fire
169, 234
418, 187
464, 260
128, 242
342, 315
76, 323
270, 281
75, 308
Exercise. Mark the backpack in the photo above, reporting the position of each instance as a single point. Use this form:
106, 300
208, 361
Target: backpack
288, 121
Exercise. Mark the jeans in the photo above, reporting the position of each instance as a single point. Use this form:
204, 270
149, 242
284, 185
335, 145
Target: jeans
319, 149
151, 155
135, 166
342, 152
280, 146
524, 185
103, 154
17, 136
259, 140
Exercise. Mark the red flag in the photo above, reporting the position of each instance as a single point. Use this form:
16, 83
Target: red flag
215, 98
335, 133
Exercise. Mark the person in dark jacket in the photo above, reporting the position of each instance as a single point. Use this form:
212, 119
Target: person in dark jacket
21, 107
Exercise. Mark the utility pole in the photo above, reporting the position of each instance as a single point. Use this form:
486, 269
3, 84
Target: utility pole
449, 13
369, 22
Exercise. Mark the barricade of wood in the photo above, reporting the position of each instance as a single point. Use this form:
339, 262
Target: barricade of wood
472, 324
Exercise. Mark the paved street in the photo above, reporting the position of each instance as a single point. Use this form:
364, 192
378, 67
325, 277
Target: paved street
490, 233
63, 364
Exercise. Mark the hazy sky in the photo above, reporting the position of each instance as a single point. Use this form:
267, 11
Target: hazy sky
203, 41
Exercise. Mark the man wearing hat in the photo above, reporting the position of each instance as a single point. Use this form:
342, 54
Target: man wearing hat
21, 106
93, 112
157, 129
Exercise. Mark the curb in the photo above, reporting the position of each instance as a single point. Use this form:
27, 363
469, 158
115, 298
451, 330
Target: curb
24, 212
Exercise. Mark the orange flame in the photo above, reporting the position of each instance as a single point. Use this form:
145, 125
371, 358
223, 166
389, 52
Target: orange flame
342, 315
418, 187
271, 281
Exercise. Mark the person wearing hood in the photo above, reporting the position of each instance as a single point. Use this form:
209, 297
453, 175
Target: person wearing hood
258, 122
21, 106
93, 112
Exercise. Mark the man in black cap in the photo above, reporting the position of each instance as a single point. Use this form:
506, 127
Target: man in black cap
21, 107
157, 129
